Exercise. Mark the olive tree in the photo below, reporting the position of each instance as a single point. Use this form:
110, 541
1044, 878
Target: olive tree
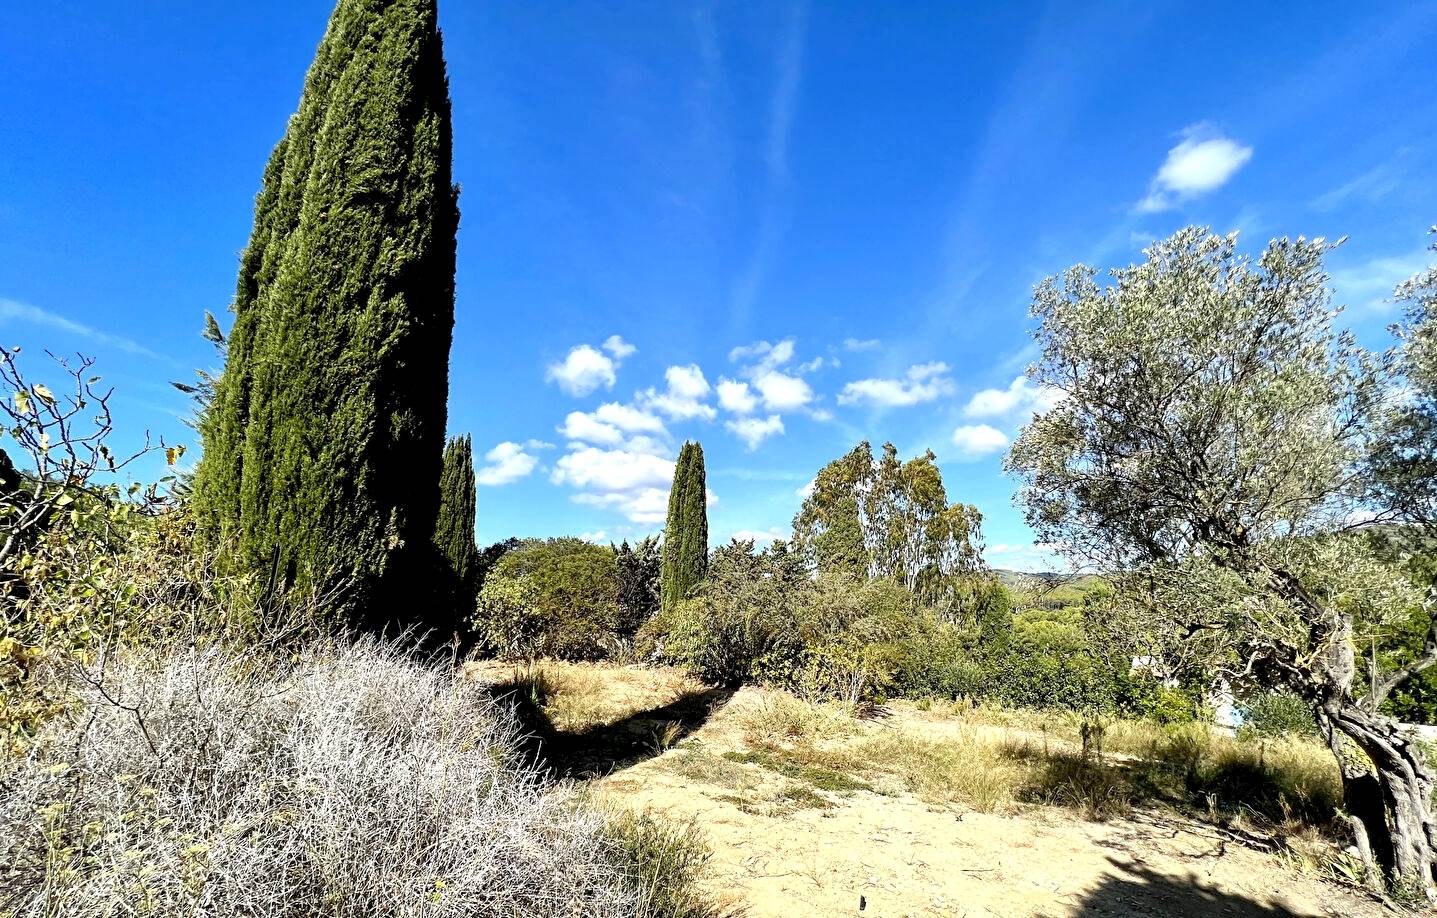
1212, 420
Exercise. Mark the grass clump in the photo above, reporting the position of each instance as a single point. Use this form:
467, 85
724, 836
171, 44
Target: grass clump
817, 776
345, 781
668, 860
1279, 779
1098, 789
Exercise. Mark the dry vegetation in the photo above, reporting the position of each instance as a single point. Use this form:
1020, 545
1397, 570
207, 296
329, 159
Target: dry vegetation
928, 805
349, 781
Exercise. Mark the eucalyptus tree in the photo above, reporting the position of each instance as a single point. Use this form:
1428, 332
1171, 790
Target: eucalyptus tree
1207, 440
1404, 458
885, 517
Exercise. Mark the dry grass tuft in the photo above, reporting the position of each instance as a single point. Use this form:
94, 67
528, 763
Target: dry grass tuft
970, 768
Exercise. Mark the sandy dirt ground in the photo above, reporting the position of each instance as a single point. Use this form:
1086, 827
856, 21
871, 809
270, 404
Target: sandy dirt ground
891, 854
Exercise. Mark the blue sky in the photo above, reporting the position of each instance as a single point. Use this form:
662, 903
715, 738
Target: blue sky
776, 228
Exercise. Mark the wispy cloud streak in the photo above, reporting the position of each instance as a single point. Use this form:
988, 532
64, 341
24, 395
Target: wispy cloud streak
15, 311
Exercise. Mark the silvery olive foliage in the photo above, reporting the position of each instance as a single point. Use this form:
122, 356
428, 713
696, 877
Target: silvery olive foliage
1206, 400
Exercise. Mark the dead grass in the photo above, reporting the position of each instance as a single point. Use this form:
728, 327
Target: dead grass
969, 769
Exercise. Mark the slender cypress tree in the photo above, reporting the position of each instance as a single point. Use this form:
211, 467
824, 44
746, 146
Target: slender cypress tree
454, 534
686, 534
322, 444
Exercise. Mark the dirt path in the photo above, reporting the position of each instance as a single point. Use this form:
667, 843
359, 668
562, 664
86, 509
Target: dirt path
897, 856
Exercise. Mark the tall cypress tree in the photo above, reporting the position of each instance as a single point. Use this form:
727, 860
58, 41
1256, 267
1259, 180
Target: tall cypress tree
454, 534
322, 445
686, 533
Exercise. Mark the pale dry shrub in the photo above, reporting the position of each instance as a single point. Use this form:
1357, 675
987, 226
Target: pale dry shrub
347, 781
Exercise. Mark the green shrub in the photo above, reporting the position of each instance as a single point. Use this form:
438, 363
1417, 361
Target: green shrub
739, 626
554, 598
1277, 714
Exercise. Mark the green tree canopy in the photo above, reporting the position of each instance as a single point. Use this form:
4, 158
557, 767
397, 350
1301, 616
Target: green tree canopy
872, 518
554, 598
639, 572
322, 441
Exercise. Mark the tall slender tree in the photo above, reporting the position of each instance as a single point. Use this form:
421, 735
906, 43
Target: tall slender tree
454, 535
323, 440
686, 534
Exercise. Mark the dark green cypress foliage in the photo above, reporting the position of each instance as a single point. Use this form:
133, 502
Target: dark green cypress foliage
686, 534
454, 534
323, 441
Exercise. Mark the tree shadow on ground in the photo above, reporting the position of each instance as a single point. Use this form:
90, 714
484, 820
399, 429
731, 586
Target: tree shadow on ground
1140, 891
605, 748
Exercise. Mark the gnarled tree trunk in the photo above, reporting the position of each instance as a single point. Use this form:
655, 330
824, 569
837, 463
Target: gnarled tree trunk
1404, 842
1393, 820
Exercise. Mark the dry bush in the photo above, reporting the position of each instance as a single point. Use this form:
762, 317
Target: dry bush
1086, 783
345, 782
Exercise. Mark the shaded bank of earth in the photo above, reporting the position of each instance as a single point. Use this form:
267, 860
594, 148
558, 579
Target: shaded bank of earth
805, 839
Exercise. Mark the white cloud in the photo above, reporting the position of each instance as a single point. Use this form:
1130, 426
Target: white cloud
762, 355
631, 482
618, 347
807, 490
977, 440
505, 463
1021, 397
629, 419
598, 538
646, 505
612, 469
684, 396
580, 425
866, 344
584, 370
736, 396
781, 392
760, 536
1202, 161
923, 383
15, 311
753, 431
821, 414
612, 424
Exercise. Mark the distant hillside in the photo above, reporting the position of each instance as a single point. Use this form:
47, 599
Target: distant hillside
1026, 580
1042, 589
